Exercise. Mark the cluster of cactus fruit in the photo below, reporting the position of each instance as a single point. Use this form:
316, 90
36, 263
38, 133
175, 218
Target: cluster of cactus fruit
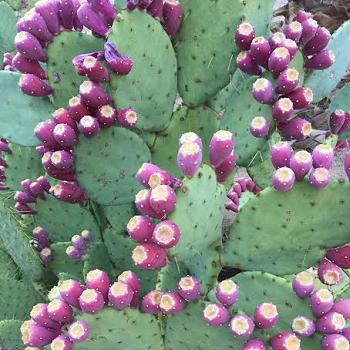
112, 210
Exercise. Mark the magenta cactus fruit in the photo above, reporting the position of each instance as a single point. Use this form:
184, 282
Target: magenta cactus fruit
301, 164
49, 12
260, 51
347, 164
79, 331
282, 110
37, 336
106, 116
293, 31
310, 27
241, 326
301, 97
120, 295
296, 129
254, 344
62, 159
127, 117
131, 279
31, 85
163, 199
91, 20
76, 108
172, 17
60, 311
28, 66
95, 70
245, 33
320, 177
320, 60
61, 116
321, 302
263, 91
340, 256
227, 292
276, 39
302, 16
41, 236
329, 273
74, 253
171, 303
144, 173
337, 120
62, 342
79, 243
142, 202
140, 228
29, 46
285, 341
150, 302
278, 60
86, 234
189, 288
21, 207
105, 8
23, 197
156, 9
318, 42
335, 342
287, 81
68, 192
291, 46
220, 147
190, 137
303, 284
189, 158
45, 255
89, 126
283, 179
40, 315
215, 315
91, 301
266, 315
246, 63
330, 323
70, 291
65, 136
166, 234
66, 13
224, 169
93, 95
98, 280
346, 333
259, 127
342, 306
119, 64
149, 256
303, 326
25, 185
143, 4
281, 154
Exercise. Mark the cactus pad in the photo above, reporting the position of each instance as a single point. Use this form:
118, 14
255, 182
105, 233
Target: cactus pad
10, 335
118, 215
7, 28
97, 258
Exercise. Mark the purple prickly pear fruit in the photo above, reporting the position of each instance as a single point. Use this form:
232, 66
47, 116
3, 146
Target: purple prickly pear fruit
150, 302
74, 253
346, 333
293, 31
86, 234
301, 164
246, 63
296, 129
4, 147
66, 11
44, 132
62, 342
105, 8
260, 51
232, 207
142, 202
149, 256
287, 81
62, 159
335, 342
320, 60
330, 323
303, 326
76, 108
93, 95
215, 315
172, 17
45, 255
91, 301
318, 42
127, 117
301, 97
131, 279
227, 292
276, 39
346, 124
33, 23
283, 179
291, 46
41, 150
163, 199
91, 20
263, 91
320, 177
106, 116
342, 306
241, 326
8, 58
37, 336
224, 169
278, 60
321, 302
24, 197
144, 173
79, 331
329, 273
220, 147
21, 207
140, 228
95, 70
245, 33
70, 291
99, 280
65, 136
302, 16
161, 177
61, 116
336, 121
36, 190
28, 66
190, 137
310, 27
189, 158
166, 234
171, 303
259, 127
29, 46
266, 315
60, 311
119, 64
49, 12
143, 4
44, 183
189, 288
25, 185
31, 85
40, 315
41, 236
340, 256
322, 156
254, 344
131, 4
281, 154
79, 243
89, 126
68, 192
156, 9
120, 295
285, 341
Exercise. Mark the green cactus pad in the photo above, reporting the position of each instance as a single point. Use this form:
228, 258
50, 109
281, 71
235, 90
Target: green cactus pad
201, 120
300, 230
97, 258
127, 329
7, 28
10, 335
7, 266
61, 73
261, 173
169, 276
116, 154
150, 87
64, 220
323, 82
119, 215
23, 163
19, 110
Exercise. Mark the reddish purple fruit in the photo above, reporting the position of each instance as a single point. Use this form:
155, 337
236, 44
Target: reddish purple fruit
76, 108
190, 137
60, 311
150, 302
189, 288
127, 117
119, 64
91, 20
31, 85
281, 153
322, 156
89, 126
74, 253
285, 341
28, 66
340, 256
166, 234
335, 342
29, 46
266, 315
65, 136
105, 8
296, 129
91, 301
336, 121
254, 344
66, 11
142, 202
260, 51
140, 228
37, 336
69, 192
79, 243
62, 159
303, 326
23, 197
220, 147
156, 9
293, 31
278, 60
99, 280
131, 279
172, 17
276, 40
263, 91
106, 116
302, 16
310, 27
62, 342
145, 172
61, 116
301, 97
215, 315
171, 303
225, 168
321, 60
318, 42
49, 12
320, 177
329, 273
321, 302
70, 291
330, 323
241, 326
287, 81
149, 256
93, 95
79, 331
95, 70
41, 236
227, 292
189, 158
301, 164
40, 315
342, 306
259, 127
291, 46
347, 164
120, 295
283, 179
246, 64
282, 110
163, 199
245, 33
